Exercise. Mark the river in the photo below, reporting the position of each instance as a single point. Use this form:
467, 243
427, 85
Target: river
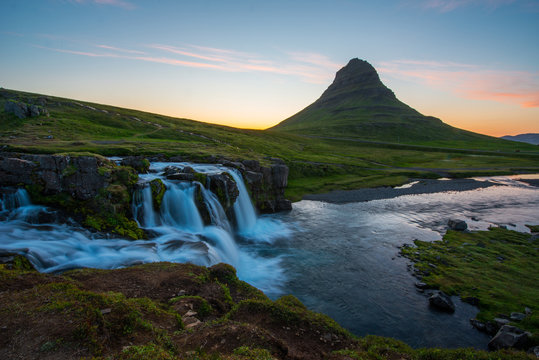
339, 259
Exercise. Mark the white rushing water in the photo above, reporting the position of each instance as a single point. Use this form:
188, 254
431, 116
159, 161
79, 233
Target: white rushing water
177, 229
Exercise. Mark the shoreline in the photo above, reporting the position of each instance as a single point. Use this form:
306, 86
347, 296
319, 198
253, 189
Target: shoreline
419, 186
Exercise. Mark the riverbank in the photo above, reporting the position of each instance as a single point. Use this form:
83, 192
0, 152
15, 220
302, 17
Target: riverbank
422, 186
166, 311
494, 270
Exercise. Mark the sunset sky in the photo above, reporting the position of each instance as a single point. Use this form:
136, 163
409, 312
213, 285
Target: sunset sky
251, 64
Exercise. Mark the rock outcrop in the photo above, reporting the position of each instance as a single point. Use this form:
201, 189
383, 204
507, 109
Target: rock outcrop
91, 188
510, 337
267, 185
23, 110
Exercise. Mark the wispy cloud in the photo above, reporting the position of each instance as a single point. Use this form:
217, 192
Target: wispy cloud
114, 48
469, 81
450, 5
309, 67
117, 3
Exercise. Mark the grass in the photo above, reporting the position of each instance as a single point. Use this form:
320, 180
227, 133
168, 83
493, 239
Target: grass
498, 267
316, 164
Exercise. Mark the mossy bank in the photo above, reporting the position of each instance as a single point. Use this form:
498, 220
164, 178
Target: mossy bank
175, 311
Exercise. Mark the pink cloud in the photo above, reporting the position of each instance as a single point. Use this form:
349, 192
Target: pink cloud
469, 81
310, 67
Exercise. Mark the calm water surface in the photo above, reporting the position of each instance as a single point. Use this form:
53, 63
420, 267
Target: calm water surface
343, 260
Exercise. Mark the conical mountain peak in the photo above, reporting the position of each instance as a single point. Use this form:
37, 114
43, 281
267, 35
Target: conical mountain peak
358, 104
358, 80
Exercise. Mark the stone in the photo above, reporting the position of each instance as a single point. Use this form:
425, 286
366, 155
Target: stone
479, 325
534, 351
106, 311
517, 316
190, 313
16, 108
509, 337
500, 322
442, 302
457, 224
527, 311
420, 285
139, 163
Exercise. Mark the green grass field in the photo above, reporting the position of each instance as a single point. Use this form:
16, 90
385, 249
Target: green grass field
316, 164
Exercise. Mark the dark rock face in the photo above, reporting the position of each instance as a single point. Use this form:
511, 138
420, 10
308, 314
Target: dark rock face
224, 187
267, 185
23, 110
77, 176
92, 189
139, 163
509, 337
457, 224
442, 302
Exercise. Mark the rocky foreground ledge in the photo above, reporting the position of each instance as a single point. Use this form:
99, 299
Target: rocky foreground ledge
174, 311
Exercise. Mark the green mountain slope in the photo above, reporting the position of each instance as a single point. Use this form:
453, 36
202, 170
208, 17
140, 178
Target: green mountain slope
358, 105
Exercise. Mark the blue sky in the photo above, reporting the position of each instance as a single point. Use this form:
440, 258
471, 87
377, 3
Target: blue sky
472, 63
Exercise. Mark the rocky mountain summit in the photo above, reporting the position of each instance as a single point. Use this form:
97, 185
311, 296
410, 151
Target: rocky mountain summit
357, 104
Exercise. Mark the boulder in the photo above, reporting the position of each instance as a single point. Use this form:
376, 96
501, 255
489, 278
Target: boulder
23, 110
16, 108
139, 163
457, 224
442, 301
517, 316
509, 337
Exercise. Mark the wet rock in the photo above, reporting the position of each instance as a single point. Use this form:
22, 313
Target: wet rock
509, 337
517, 316
225, 188
139, 163
267, 185
534, 351
479, 325
421, 285
527, 311
442, 301
499, 322
457, 224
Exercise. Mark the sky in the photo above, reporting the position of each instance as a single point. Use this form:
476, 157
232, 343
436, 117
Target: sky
251, 64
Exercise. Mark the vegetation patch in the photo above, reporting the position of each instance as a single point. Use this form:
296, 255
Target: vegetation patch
495, 269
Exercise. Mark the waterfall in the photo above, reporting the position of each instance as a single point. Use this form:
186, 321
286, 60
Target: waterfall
216, 211
178, 207
243, 208
15, 200
177, 231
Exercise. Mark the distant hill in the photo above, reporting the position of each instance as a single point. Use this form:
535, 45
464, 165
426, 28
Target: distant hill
357, 104
530, 138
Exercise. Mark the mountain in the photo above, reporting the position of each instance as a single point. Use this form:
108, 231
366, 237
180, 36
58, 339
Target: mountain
530, 138
357, 104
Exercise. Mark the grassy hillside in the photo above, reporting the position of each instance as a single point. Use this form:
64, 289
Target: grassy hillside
316, 164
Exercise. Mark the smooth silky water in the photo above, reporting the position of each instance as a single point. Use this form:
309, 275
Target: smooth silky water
341, 260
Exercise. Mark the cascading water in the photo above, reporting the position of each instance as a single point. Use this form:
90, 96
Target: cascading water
177, 232
243, 208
